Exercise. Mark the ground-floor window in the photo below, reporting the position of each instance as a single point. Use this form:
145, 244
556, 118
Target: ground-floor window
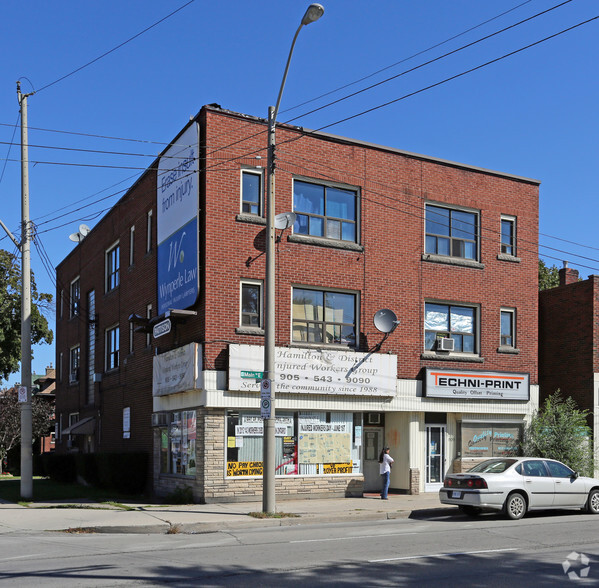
489, 439
178, 444
307, 443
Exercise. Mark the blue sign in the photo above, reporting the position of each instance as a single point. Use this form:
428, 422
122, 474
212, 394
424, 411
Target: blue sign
178, 269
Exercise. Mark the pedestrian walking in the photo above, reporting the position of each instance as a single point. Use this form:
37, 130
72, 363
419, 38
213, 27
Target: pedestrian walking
386, 462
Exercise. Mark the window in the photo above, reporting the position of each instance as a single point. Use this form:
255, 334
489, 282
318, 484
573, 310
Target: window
325, 211
559, 470
324, 317
508, 324
131, 244
75, 297
508, 235
483, 439
112, 348
448, 320
251, 304
178, 444
112, 267
74, 364
251, 192
451, 232
534, 468
149, 232
297, 452
61, 302
148, 316
92, 327
131, 336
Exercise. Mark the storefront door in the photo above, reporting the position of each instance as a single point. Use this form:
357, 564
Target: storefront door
373, 445
435, 457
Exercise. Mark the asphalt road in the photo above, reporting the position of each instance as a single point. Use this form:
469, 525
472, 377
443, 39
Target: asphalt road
434, 551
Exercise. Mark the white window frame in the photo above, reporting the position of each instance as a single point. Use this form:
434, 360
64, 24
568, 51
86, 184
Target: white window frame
512, 221
477, 327
148, 316
74, 364
512, 313
74, 305
112, 265
326, 322
112, 360
149, 232
453, 240
260, 203
132, 245
325, 217
259, 285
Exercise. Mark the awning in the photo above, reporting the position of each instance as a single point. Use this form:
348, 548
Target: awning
83, 427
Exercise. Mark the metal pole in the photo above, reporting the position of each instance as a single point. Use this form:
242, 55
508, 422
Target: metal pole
26, 413
313, 13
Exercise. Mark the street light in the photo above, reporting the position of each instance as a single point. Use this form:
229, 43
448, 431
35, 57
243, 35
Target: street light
313, 13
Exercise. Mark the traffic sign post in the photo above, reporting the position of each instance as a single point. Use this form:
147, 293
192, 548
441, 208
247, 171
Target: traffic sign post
265, 398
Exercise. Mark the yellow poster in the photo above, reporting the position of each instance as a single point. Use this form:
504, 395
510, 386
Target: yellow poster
337, 468
244, 468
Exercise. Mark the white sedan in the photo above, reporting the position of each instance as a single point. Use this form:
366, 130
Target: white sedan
515, 485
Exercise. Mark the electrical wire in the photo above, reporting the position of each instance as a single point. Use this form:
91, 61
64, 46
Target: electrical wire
114, 48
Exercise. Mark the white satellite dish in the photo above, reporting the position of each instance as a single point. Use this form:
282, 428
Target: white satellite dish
76, 237
84, 230
385, 320
80, 234
284, 220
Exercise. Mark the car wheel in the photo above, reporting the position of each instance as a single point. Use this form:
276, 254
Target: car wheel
471, 511
515, 506
593, 502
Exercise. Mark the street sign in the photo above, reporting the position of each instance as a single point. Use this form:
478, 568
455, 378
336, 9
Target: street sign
254, 375
265, 398
162, 328
22, 393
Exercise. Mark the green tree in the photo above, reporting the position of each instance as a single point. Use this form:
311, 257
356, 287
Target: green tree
548, 276
42, 411
10, 315
559, 430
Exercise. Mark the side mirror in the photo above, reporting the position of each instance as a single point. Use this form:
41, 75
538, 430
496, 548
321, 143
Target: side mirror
575, 475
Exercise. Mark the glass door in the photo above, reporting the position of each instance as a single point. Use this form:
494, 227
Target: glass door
435, 457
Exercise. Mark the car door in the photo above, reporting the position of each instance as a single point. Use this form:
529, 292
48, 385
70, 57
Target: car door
538, 483
569, 489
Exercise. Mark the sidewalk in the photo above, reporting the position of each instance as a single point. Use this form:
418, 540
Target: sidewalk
80, 516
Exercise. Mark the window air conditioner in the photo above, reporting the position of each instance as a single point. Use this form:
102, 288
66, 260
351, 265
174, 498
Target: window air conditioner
74, 375
159, 419
446, 344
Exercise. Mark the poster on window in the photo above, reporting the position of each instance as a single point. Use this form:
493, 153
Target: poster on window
490, 440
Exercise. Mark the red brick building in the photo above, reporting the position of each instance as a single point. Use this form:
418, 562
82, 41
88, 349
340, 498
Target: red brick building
569, 341
151, 358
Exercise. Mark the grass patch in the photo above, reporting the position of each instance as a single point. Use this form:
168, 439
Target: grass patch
46, 490
273, 515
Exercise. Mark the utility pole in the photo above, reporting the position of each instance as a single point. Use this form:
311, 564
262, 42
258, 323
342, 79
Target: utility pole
26, 413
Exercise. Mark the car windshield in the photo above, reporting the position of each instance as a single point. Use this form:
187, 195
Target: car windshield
493, 466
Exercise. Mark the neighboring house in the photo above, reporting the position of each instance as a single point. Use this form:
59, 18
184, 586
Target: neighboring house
569, 342
45, 387
160, 321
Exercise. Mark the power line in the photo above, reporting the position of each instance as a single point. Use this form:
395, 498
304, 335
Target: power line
114, 48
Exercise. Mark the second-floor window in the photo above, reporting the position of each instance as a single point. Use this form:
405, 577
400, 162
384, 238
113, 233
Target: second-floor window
74, 364
325, 211
112, 267
450, 321
251, 192
508, 325
324, 317
112, 348
251, 304
451, 232
75, 297
508, 235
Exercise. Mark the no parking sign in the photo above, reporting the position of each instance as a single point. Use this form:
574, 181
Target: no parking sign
265, 398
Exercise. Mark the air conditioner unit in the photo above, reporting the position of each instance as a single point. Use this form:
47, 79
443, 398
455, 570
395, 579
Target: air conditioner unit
445, 344
74, 377
159, 419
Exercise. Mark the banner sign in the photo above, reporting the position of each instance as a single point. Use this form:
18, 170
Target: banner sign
177, 202
476, 385
177, 370
316, 371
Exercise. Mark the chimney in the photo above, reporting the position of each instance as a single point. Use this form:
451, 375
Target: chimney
567, 275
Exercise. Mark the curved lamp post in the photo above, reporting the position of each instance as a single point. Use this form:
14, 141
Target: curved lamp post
313, 13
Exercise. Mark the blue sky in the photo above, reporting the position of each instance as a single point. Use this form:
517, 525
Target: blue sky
533, 114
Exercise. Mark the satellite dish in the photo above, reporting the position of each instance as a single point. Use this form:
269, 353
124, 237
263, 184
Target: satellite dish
76, 237
84, 230
385, 320
285, 220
